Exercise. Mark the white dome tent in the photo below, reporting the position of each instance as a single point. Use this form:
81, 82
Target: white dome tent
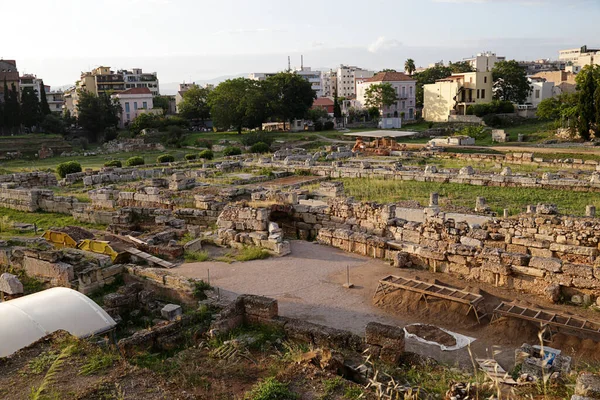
28, 319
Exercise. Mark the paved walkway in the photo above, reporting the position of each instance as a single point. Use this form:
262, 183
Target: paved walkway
308, 285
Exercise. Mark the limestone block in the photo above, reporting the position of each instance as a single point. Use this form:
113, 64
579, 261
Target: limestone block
578, 270
10, 284
578, 250
171, 312
547, 264
59, 273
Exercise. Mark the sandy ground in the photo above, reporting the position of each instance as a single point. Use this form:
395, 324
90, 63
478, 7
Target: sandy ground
308, 285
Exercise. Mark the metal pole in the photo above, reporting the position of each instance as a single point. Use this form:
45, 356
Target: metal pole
208, 274
348, 275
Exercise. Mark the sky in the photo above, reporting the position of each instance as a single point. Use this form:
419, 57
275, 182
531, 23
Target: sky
198, 40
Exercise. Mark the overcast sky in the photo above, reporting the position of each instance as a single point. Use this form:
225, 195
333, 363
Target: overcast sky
187, 40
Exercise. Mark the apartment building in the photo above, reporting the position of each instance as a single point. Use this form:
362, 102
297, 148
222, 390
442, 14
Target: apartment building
484, 62
346, 76
541, 65
452, 95
71, 98
101, 80
329, 83
55, 99
136, 78
313, 77
31, 82
578, 58
10, 74
564, 81
134, 102
540, 91
405, 87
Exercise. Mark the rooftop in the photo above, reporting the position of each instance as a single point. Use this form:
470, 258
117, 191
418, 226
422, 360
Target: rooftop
390, 77
136, 91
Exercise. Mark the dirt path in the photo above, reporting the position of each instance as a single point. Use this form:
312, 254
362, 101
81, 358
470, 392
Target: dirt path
308, 285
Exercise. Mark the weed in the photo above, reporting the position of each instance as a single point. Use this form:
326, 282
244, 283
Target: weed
98, 294
200, 287
196, 256
50, 378
97, 362
42, 362
252, 253
330, 386
270, 389
353, 392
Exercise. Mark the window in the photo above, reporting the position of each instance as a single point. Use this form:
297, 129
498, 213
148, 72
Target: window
145, 105
127, 107
403, 105
403, 91
128, 118
471, 80
483, 93
135, 105
477, 93
485, 79
537, 94
410, 91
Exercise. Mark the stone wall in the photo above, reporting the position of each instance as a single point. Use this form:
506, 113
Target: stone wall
29, 180
162, 283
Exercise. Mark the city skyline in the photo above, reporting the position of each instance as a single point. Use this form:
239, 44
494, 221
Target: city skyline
258, 37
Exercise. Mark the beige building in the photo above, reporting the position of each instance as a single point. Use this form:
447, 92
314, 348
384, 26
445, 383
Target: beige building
564, 82
452, 95
484, 62
578, 58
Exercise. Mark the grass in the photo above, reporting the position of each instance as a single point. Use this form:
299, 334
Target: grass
515, 199
196, 256
270, 389
98, 294
30, 285
199, 288
42, 362
43, 220
98, 362
562, 156
252, 253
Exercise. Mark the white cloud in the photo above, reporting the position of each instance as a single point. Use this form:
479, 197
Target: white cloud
383, 44
525, 2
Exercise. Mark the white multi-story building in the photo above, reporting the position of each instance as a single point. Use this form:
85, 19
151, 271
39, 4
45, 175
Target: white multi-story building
136, 78
313, 77
329, 83
55, 99
575, 59
405, 87
484, 62
29, 81
540, 90
347, 76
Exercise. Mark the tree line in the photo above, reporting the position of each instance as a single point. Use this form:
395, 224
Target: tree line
27, 110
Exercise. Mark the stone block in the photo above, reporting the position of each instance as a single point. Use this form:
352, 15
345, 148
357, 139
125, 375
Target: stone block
547, 264
10, 284
171, 312
588, 385
259, 307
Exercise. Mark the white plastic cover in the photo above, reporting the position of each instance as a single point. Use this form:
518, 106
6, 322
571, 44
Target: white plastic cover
30, 318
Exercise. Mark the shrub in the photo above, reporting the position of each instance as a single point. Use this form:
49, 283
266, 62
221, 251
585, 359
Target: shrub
199, 288
232, 151
260, 148
133, 161
318, 126
69, 167
204, 143
190, 157
495, 107
113, 163
328, 125
165, 158
476, 132
53, 124
430, 125
270, 389
206, 155
255, 137
492, 120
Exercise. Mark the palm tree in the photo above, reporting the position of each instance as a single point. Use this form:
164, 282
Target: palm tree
409, 66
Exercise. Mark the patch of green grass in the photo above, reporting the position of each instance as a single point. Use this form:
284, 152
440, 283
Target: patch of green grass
330, 386
30, 285
252, 253
515, 199
270, 389
196, 256
199, 288
353, 392
45, 220
562, 156
98, 362
98, 294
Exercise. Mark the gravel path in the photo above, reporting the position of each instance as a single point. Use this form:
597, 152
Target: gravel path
308, 285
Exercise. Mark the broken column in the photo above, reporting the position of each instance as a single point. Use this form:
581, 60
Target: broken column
480, 205
433, 199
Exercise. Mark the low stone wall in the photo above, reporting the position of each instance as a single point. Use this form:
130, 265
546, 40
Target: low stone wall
29, 180
163, 283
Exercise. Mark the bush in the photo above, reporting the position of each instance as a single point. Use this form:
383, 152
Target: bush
206, 155
69, 167
190, 157
318, 126
165, 158
113, 163
260, 148
232, 151
476, 132
495, 107
204, 143
133, 161
328, 125
255, 137
270, 389
492, 120
53, 124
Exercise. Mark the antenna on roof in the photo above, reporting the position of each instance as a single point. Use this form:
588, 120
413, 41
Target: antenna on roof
289, 64
301, 62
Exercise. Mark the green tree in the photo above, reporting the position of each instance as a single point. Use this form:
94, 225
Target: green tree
31, 113
588, 87
337, 110
428, 76
380, 95
44, 107
53, 124
97, 113
510, 82
388, 70
460, 67
13, 108
316, 114
161, 102
237, 102
289, 95
194, 104
409, 66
